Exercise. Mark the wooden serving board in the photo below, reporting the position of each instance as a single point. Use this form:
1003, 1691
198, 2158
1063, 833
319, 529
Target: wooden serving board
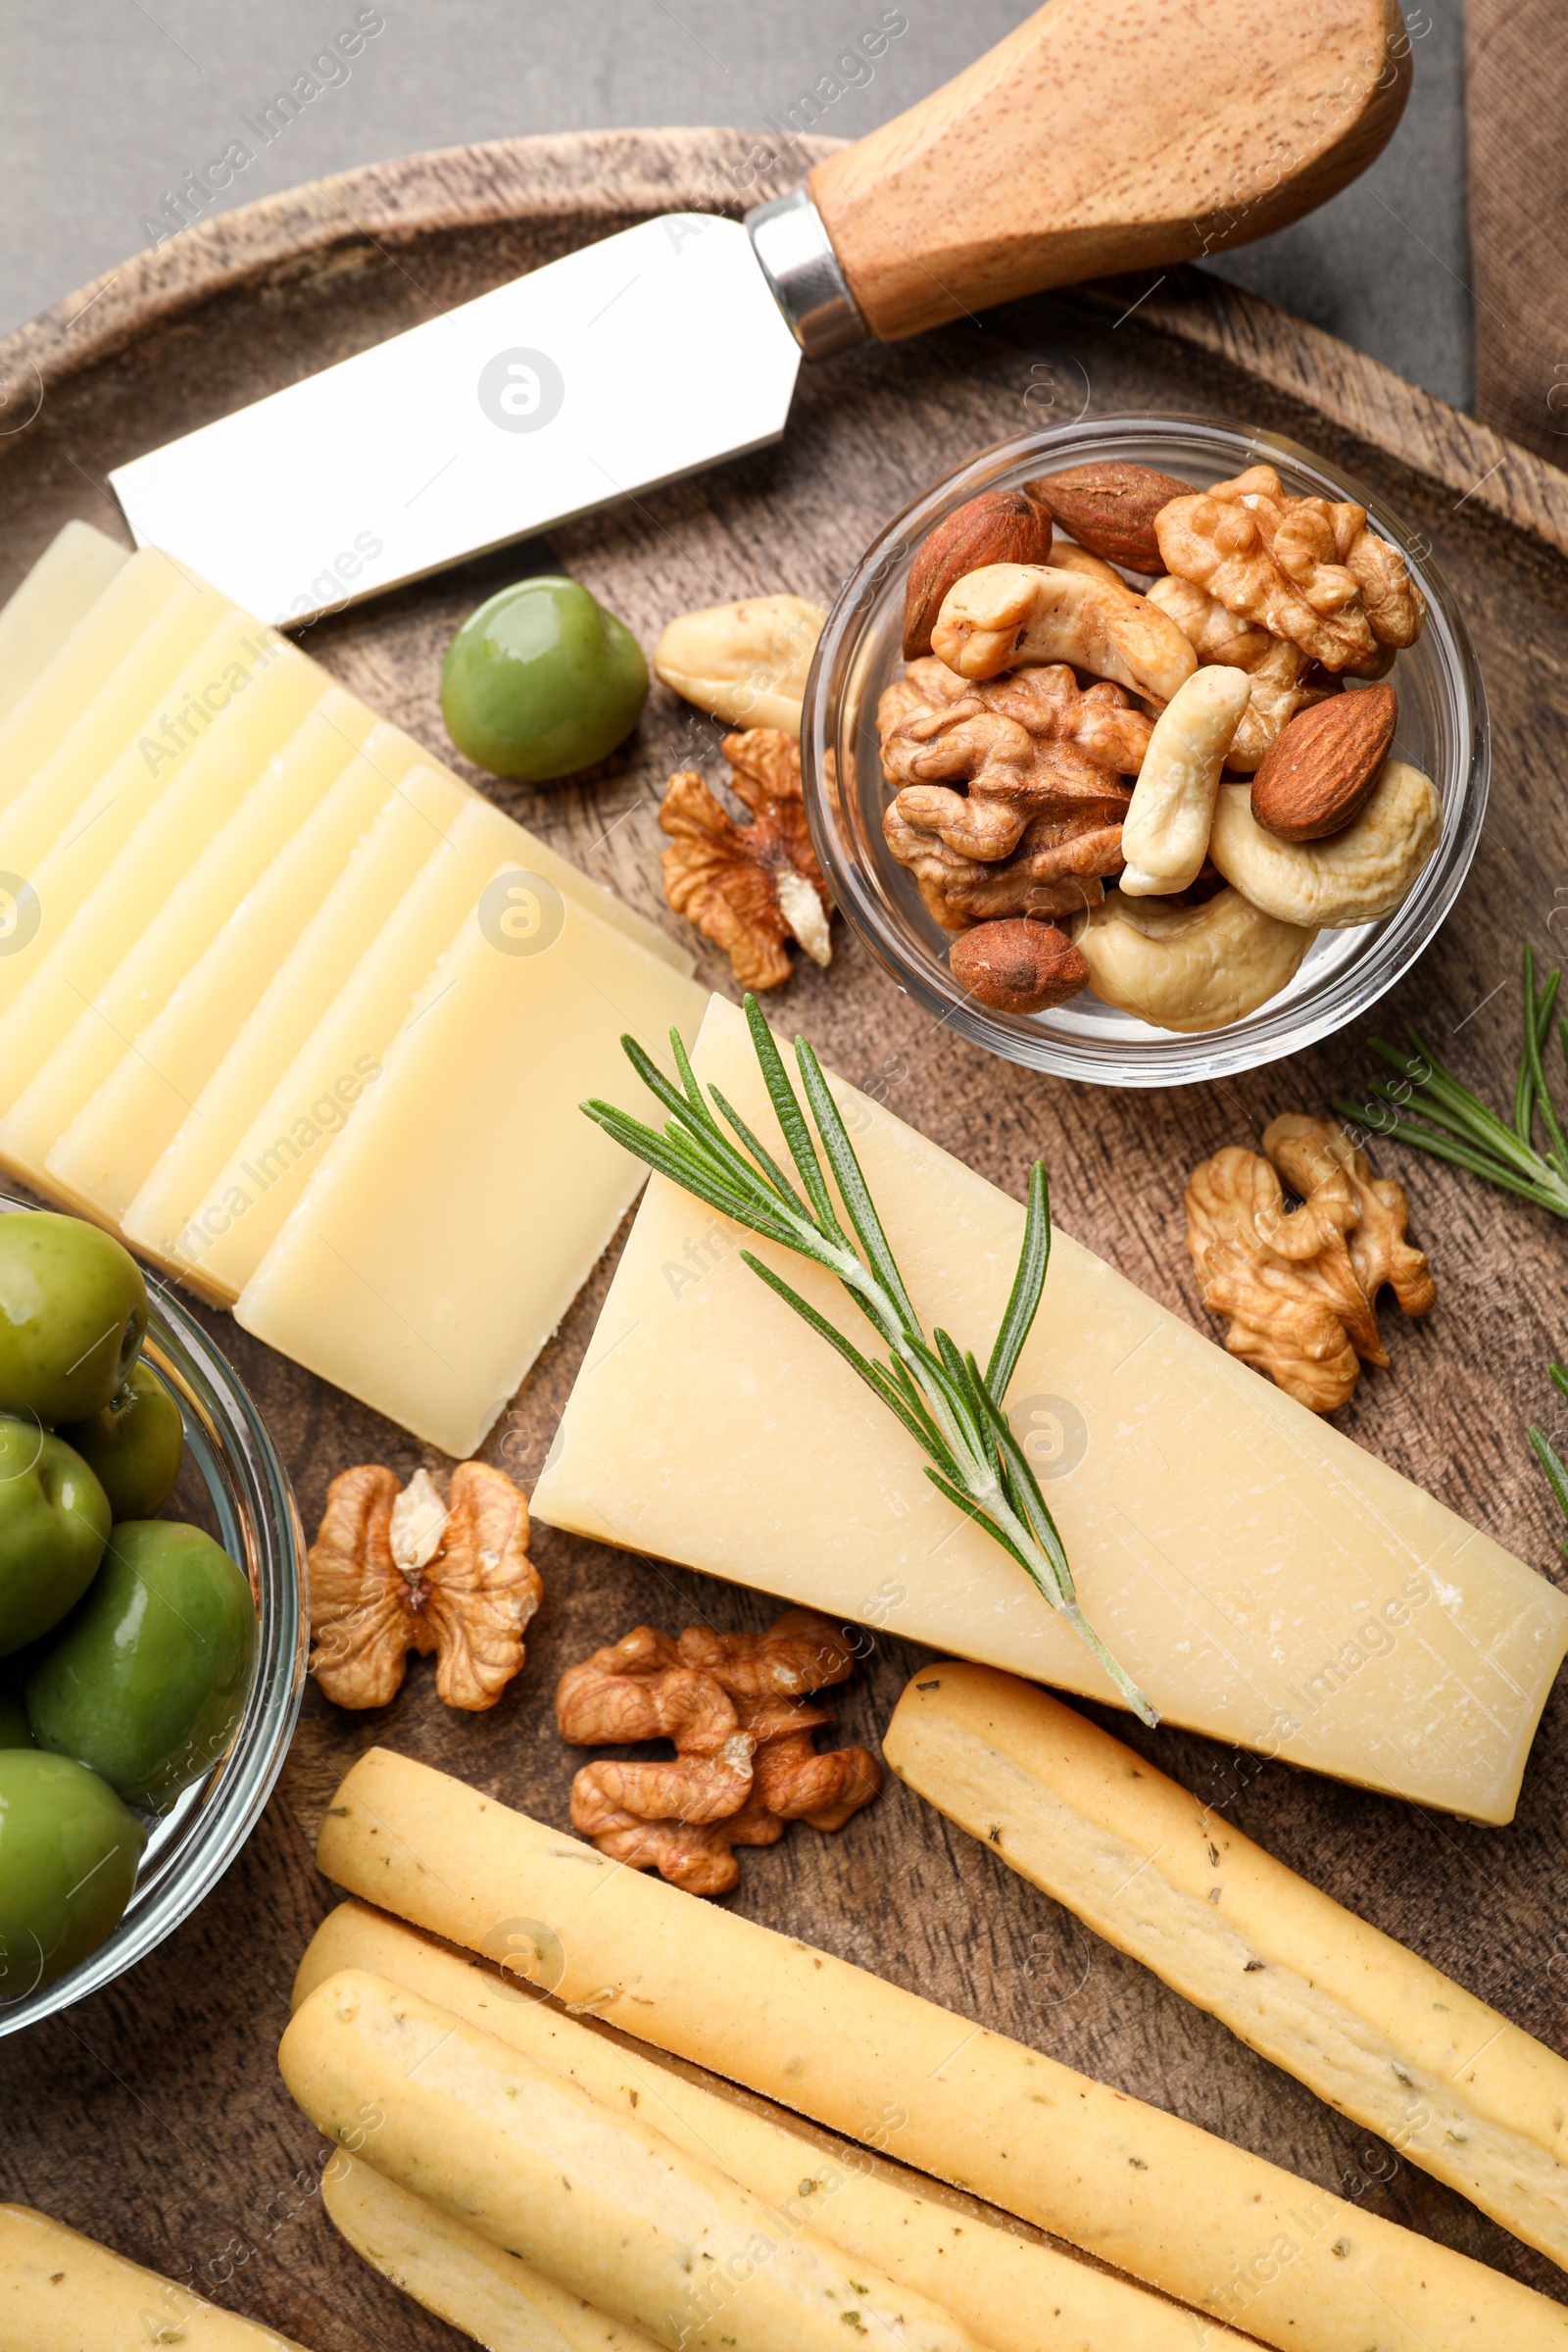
152, 2115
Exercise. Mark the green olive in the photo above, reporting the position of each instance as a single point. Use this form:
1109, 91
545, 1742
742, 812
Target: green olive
542, 681
73, 1311
54, 1522
68, 1851
146, 1683
135, 1446
14, 1729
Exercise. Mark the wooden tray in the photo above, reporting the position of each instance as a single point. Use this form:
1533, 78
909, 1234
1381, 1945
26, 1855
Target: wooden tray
152, 2115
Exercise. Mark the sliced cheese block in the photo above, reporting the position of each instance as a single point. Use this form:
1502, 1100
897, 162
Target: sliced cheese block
130, 896
549, 864
65, 830
461, 1210
1260, 1577
85, 681
170, 937
165, 1217
60, 2289
59, 590
88, 709
225, 1232
1380, 2035
105, 1155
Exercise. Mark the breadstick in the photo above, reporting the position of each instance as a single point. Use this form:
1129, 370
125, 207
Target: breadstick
503, 2303
997, 2282
1378, 2034
1207, 2222
63, 2292
608, 2208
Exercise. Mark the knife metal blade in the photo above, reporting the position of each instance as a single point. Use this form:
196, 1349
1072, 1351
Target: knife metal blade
643, 358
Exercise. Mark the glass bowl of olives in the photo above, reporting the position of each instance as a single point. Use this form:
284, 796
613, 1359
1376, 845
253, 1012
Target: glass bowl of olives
153, 1620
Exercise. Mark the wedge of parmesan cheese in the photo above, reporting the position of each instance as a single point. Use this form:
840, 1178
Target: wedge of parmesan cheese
1260, 1577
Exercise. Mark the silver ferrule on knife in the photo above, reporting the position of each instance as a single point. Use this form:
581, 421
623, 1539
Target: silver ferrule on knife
790, 242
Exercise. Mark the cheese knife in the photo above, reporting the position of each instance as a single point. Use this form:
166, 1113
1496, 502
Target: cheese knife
1099, 136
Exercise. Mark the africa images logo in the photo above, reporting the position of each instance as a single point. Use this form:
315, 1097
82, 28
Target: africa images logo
521, 390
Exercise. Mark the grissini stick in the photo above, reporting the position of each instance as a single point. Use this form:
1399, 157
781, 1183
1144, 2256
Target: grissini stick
466, 2280
603, 2203
1380, 2035
997, 2282
1186, 2211
63, 2292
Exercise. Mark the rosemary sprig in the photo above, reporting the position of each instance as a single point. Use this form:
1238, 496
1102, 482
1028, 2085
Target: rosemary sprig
1549, 1458
951, 1408
1436, 1114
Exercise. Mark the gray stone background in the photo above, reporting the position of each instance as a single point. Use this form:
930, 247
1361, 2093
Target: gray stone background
106, 104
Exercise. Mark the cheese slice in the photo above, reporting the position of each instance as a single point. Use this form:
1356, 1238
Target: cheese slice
1263, 1580
540, 859
449, 1230
105, 1155
407, 835
116, 651
227, 1230
58, 593
168, 939
64, 831
82, 714
131, 895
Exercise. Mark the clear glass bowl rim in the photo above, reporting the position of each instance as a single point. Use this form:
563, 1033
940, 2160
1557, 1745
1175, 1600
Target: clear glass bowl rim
259, 1508
1164, 1059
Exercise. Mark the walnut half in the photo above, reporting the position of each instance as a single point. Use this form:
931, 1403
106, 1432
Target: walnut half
1304, 568
750, 888
745, 1762
1009, 792
393, 1570
1301, 1285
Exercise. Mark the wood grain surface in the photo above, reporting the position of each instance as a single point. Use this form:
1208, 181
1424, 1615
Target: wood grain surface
959, 203
152, 2115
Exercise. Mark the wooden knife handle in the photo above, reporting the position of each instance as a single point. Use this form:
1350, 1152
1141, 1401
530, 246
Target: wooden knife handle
1105, 136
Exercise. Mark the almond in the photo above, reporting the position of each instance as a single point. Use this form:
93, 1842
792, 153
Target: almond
999, 526
1018, 965
1315, 776
1109, 508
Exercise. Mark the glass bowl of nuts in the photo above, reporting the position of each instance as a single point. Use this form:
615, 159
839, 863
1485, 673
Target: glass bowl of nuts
232, 1486
1145, 749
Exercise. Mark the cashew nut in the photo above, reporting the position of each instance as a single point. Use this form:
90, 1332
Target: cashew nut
1356, 876
1066, 556
1277, 668
1008, 613
1187, 969
746, 662
1164, 835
